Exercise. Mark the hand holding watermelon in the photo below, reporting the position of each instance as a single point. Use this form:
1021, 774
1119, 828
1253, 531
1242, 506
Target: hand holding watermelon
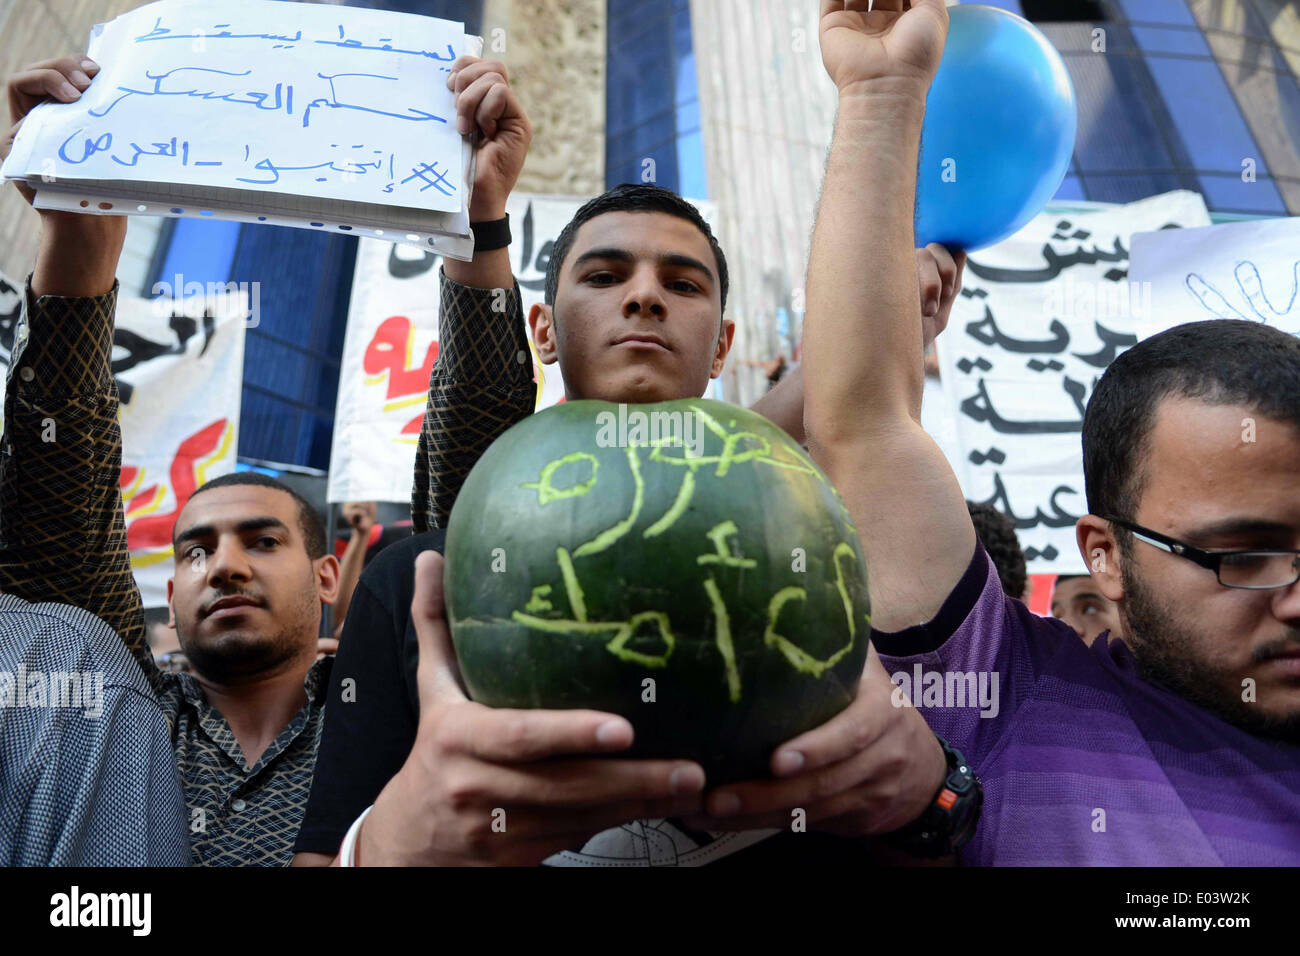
502, 786
870, 769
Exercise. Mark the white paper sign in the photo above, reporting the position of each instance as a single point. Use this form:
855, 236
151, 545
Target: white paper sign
310, 100
1243, 270
1039, 318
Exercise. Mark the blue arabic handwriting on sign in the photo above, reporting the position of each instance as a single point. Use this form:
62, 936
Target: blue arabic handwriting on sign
306, 99
159, 32
358, 45
411, 113
257, 99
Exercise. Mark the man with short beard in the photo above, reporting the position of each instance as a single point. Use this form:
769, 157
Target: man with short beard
1176, 745
1227, 395
252, 569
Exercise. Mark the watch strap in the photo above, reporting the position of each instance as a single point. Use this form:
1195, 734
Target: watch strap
949, 821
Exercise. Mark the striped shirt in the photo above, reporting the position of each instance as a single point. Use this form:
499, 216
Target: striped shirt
1083, 761
87, 776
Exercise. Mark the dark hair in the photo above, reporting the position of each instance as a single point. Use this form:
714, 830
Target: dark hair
998, 534
1061, 578
1218, 361
631, 197
309, 519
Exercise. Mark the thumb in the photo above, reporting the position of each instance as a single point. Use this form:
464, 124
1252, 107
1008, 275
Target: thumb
437, 675
6, 147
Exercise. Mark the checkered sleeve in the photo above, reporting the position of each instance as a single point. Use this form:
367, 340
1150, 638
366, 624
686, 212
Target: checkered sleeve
62, 531
481, 384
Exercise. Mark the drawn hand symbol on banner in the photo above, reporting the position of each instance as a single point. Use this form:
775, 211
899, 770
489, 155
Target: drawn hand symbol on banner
1252, 288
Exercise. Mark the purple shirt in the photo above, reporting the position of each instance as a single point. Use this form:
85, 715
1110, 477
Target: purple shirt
1083, 762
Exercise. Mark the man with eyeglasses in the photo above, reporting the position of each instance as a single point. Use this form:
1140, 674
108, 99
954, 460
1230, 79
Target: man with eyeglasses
1178, 744
1192, 465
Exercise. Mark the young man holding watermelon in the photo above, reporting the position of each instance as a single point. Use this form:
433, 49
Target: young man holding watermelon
635, 297
1180, 743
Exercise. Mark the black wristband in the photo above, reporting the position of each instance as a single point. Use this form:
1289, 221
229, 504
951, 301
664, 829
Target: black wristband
491, 235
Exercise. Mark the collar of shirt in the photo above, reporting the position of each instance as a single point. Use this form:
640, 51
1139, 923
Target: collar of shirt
218, 730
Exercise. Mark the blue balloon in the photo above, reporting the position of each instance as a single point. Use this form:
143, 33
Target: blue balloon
999, 129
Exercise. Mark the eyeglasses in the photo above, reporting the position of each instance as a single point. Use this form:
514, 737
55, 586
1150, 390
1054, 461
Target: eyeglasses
1254, 570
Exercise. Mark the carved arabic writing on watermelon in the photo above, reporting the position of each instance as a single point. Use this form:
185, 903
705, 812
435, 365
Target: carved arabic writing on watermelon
623, 631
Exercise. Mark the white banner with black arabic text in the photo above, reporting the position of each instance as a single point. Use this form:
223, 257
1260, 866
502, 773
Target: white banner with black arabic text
1039, 318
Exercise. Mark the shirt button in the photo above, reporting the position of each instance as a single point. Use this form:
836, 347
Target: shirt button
238, 805
26, 373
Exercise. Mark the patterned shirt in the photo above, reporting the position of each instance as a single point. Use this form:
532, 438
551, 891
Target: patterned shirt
87, 776
481, 384
63, 540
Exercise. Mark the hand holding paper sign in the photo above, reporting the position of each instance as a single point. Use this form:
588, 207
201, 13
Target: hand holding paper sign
487, 107
311, 115
61, 80
78, 254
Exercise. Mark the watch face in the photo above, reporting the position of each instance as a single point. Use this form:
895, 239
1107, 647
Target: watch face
961, 782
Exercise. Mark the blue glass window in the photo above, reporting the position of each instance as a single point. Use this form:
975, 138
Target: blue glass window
1156, 112
652, 106
1158, 11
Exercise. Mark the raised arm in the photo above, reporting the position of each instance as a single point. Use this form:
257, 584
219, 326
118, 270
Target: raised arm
479, 387
482, 382
62, 532
360, 516
863, 330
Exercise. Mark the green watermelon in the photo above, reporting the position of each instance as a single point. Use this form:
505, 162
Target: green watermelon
683, 564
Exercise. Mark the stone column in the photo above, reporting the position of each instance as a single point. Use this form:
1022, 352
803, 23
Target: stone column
555, 53
767, 109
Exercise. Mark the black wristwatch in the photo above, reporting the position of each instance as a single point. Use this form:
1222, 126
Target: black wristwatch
949, 821
494, 234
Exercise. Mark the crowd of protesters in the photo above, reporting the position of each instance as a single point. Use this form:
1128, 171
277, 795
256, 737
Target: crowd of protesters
1170, 734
